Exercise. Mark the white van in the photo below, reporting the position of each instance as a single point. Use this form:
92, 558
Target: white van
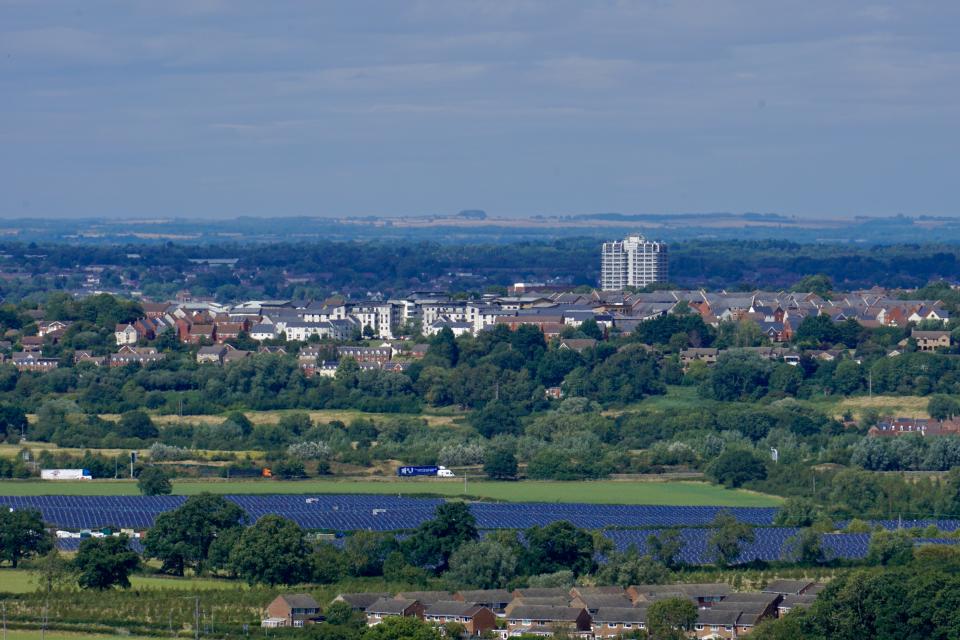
443, 472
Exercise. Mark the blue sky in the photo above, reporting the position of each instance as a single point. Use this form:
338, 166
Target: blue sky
214, 108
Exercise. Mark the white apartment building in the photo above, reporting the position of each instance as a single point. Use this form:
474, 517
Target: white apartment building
632, 262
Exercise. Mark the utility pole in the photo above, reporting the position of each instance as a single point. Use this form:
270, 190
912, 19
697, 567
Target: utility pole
4, 620
870, 383
196, 618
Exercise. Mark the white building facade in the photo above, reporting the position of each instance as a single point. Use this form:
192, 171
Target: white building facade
632, 262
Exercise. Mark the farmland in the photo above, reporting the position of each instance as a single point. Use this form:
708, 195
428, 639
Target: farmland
25, 581
595, 492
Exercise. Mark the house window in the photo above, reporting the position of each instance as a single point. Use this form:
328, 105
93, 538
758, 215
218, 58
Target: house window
611, 625
699, 627
628, 625
298, 623
714, 627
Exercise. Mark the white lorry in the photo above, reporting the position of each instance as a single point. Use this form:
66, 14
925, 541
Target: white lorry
65, 474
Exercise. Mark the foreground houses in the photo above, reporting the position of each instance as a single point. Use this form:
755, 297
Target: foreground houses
294, 610
588, 612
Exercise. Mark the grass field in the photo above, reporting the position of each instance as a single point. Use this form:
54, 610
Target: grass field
24, 581
598, 492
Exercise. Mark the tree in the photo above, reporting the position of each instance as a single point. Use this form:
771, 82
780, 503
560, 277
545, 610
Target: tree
434, 541
739, 376
591, 329
671, 618
941, 407
496, 418
819, 284
22, 535
484, 564
889, 548
797, 512
103, 563
137, 424
735, 467
182, 537
402, 628
816, 330
728, 536
53, 571
327, 564
805, 548
630, 567
272, 551
559, 545
153, 481
500, 464
366, 551
666, 547
13, 422
341, 614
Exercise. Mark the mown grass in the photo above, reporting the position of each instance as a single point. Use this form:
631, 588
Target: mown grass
596, 492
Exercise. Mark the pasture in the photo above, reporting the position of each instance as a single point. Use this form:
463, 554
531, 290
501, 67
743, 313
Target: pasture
681, 493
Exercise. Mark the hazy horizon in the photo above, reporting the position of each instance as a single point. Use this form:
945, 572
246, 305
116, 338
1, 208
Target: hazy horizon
213, 109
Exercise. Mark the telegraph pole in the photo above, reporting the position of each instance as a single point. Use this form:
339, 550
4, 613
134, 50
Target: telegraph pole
196, 618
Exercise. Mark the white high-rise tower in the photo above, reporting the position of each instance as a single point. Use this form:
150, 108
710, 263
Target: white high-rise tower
632, 262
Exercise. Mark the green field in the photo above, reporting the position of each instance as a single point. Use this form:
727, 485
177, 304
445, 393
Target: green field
24, 581
599, 491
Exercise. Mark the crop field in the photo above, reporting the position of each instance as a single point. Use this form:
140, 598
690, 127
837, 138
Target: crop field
25, 581
593, 492
911, 406
34, 634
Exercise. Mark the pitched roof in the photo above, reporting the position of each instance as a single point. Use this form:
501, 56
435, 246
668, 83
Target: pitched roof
300, 601
785, 587
485, 595
542, 592
546, 612
391, 605
452, 608
621, 614
361, 600
426, 597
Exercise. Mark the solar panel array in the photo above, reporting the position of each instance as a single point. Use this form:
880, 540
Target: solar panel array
623, 524
770, 544
377, 513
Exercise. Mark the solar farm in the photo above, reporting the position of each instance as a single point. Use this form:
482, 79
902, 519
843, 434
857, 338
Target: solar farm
624, 525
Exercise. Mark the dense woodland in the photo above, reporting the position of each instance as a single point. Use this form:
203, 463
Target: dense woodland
359, 268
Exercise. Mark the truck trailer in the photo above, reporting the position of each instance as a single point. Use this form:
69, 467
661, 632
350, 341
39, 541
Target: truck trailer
434, 471
65, 474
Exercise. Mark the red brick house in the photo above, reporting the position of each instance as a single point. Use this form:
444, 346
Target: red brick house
293, 610
475, 618
389, 607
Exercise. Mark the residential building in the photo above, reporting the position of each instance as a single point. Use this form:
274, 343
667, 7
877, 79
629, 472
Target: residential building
931, 340
360, 601
632, 262
494, 599
293, 610
391, 607
547, 620
614, 622
476, 619
33, 361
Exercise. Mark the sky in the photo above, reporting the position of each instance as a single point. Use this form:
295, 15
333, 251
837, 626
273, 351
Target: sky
216, 108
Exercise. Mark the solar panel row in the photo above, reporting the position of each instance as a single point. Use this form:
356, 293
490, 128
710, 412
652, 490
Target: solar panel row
395, 513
